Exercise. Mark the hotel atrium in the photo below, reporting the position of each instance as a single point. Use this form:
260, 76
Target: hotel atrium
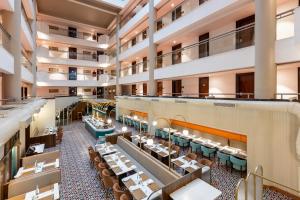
150, 99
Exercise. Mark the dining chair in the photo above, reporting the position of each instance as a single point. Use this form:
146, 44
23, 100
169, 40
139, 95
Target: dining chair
177, 149
120, 119
166, 144
182, 142
92, 155
158, 133
162, 142
118, 192
192, 156
144, 127
208, 152
174, 139
238, 164
164, 134
206, 169
125, 197
108, 181
195, 147
223, 158
96, 162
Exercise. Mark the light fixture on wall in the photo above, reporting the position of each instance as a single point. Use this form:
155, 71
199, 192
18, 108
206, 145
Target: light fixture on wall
109, 121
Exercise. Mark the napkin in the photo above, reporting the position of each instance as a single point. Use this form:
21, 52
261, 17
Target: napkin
133, 167
149, 181
127, 161
134, 187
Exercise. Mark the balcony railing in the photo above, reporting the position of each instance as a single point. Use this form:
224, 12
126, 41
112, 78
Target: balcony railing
135, 69
64, 76
26, 62
137, 8
26, 18
72, 33
4, 35
177, 12
235, 39
135, 40
73, 55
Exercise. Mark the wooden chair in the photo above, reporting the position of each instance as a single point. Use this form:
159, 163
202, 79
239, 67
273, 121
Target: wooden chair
118, 192
207, 163
125, 197
96, 162
192, 156
108, 180
177, 149
162, 142
59, 137
92, 155
166, 144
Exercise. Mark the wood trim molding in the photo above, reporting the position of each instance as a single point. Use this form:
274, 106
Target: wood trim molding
139, 113
213, 131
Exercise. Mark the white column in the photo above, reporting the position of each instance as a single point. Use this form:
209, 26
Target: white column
33, 57
12, 23
152, 49
118, 63
265, 37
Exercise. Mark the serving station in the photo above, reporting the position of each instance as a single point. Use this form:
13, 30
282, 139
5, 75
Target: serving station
98, 127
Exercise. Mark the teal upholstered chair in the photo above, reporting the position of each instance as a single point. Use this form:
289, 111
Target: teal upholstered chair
144, 127
238, 164
208, 152
174, 139
157, 132
164, 134
130, 122
223, 158
120, 118
182, 142
195, 147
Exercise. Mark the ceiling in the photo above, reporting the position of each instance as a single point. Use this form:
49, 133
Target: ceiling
91, 12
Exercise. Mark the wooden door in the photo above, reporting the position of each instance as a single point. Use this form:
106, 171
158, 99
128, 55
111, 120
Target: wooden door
203, 87
203, 45
176, 54
245, 84
145, 89
133, 67
159, 88
159, 59
176, 88
133, 89
72, 53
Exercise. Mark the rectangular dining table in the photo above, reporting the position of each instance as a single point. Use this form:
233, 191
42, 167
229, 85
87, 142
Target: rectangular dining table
140, 185
105, 149
197, 189
187, 164
50, 192
119, 163
159, 149
38, 168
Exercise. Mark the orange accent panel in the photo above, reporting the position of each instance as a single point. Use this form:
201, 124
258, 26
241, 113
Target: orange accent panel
138, 113
213, 131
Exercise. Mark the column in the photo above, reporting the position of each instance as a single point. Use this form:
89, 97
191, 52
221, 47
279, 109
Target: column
33, 56
12, 23
265, 37
118, 62
152, 49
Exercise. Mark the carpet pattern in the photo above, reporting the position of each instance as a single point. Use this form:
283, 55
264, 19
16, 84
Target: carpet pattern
79, 180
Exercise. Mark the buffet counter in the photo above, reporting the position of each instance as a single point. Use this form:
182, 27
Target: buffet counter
98, 128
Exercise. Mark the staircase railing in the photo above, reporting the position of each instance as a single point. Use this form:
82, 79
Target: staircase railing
251, 188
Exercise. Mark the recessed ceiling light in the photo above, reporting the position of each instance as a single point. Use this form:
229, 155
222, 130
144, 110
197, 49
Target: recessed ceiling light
174, 41
136, 58
172, 5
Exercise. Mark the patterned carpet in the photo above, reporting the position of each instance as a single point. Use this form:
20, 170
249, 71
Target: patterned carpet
79, 180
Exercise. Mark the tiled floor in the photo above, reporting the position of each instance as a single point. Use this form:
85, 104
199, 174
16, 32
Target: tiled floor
79, 180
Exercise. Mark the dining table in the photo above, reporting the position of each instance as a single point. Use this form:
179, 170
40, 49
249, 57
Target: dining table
187, 164
239, 153
37, 168
169, 130
159, 149
105, 149
197, 189
185, 136
119, 163
140, 185
50, 192
207, 142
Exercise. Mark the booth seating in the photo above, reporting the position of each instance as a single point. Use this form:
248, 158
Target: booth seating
112, 138
44, 157
182, 142
26, 184
157, 133
151, 164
